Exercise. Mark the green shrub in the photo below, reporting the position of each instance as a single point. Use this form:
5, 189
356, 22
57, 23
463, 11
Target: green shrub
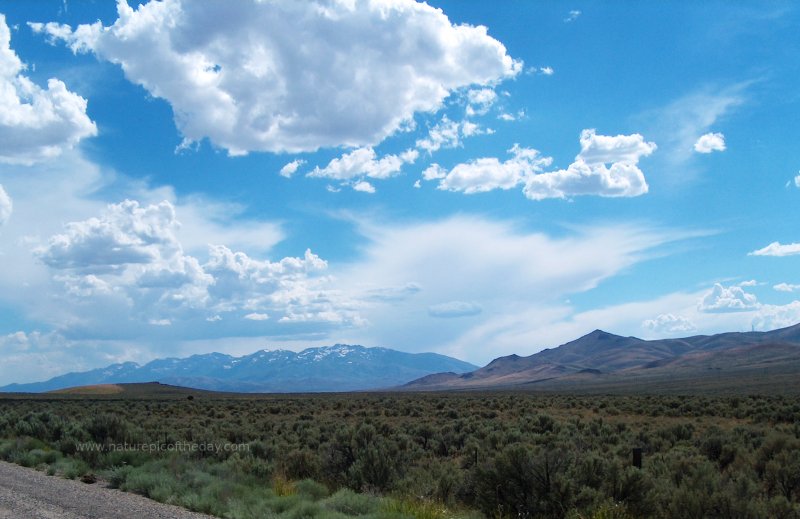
782, 475
304, 510
156, 485
348, 502
417, 509
36, 457
118, 475
311, 489
300, 464
104, 427
524, 484
71, 468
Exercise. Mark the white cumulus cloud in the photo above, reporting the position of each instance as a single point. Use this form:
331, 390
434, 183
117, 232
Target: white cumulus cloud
710, 142
590, 175
364, 187
669, 324
36, 123
293, 76
786, 287
448, 134
777, 249
606, 166
772, 317
479, 101
434, 172
508, 117
605, 149
727, 299
291, 168
487, 174
6, 206
363, 162
125, 234
256, 317
130, 260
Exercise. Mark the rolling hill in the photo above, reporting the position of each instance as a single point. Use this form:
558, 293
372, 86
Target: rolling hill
603, 361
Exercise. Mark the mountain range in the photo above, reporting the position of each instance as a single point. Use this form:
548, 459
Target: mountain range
330, 368
597, 362
604, 362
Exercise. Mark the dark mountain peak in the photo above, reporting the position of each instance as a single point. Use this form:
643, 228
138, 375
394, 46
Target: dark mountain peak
600, 335
504, 360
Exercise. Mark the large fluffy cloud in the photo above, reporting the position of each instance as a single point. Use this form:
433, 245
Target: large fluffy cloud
727, 299
125, 234
606, 166
6, 206
669, 324
36, 123
590, 175
131, 257
293, 76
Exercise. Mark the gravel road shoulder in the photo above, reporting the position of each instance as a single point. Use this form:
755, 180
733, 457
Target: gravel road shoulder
28, 494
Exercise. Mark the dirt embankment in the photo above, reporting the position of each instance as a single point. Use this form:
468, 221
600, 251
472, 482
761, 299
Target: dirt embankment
28, 494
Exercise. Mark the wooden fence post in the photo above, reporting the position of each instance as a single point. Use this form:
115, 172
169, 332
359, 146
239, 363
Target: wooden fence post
637, 457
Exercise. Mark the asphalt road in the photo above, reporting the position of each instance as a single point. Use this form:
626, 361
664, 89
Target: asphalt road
29, 494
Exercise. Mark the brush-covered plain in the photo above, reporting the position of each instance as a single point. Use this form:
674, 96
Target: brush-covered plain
433, 455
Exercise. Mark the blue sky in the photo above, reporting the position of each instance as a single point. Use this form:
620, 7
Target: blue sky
185, 177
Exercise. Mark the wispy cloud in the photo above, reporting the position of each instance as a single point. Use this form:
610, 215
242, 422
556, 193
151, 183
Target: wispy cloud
683, 126
777, 249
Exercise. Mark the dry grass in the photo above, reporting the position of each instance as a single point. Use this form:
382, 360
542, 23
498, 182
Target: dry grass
98, 389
